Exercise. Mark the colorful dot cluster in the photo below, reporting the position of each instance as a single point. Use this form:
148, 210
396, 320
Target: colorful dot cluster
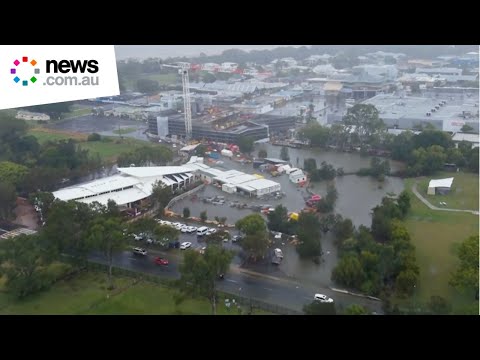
13, 71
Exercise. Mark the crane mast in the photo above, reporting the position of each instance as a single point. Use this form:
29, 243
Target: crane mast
186, 102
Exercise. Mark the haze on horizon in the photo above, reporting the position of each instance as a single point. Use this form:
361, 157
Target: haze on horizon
164, 51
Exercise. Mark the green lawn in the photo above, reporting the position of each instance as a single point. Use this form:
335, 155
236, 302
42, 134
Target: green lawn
435, 235
463, 195
108, 150
163, 79
87, 294
43, 135
124, 131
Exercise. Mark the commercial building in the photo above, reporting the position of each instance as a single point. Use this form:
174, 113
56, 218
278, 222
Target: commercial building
408, 112
27, 115
471, 138
130, 187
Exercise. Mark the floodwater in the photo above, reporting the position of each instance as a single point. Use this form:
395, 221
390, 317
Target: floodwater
103, 125
356, 197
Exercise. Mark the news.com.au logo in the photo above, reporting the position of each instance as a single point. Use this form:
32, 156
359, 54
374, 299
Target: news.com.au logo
27, 72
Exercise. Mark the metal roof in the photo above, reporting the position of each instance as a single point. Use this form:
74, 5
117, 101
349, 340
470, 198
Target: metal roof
441, 183
473, 138
149, 171
120, 197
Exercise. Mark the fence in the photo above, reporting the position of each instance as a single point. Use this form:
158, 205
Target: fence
181, 196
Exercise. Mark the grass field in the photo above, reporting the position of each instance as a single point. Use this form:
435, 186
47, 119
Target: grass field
87, 294
163, 79
463, 195
108, 150
123, 131
435, 235
77, 111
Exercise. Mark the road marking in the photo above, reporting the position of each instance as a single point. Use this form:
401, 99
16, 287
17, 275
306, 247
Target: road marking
307, 298
132, 258
234, 281
268, 289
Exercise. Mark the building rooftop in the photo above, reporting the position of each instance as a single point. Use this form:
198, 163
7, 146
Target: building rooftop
151, 171
441, 182
473, 138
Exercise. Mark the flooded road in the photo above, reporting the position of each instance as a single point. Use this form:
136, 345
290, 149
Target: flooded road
103, 125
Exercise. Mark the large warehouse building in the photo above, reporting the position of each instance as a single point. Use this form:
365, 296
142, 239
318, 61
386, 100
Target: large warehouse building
130, 187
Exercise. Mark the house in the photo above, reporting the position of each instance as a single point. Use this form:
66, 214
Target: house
440, 186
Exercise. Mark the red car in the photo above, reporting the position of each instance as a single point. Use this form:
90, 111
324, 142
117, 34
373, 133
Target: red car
161, 261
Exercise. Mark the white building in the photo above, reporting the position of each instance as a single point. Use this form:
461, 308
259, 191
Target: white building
27, 115
297, 176
128, 188
471, 138
440, 186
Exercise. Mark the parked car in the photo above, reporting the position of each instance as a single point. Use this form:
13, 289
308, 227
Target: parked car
323, 298
278, 253
137, 237
161, 261
278, 236
139, 251
185, 245
237, 238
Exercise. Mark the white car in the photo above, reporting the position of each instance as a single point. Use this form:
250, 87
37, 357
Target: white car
139, 251
278, 253
278, 236
137, 237
323, 298
185, 229
185, 245
212, 230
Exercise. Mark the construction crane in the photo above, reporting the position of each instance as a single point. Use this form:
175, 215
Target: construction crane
187, 108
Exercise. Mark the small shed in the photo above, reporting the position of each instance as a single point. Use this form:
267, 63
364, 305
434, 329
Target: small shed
440, 186
229, 188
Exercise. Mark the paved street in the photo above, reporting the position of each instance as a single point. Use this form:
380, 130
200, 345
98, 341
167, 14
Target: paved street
280, 291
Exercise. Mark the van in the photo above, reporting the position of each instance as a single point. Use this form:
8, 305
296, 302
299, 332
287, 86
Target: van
202, 231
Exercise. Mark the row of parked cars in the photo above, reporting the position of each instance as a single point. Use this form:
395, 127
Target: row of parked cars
188, 229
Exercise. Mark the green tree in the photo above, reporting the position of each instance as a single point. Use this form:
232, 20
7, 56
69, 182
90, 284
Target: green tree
310, 165
439, 306
316, 134
349, 272
12, 173
262, 153
404, 202
308, 231
245, 143
465, 278
165, 234
284, 154
44, 200
319, 308
200, 150
146, 156
251, 224
8, 199
147, 86
208, 78
466, 128
327, 204
343, 230
255, 244
364, 121
406, 281
55, 110
106, 235
161, 196
186, 212
23, 264
94, 137
355, 309
278, 219
199, 273
203, 216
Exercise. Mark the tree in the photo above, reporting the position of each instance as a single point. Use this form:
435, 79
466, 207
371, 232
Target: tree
251, 224
278, 219
355, 309
199, 273
200, 150
262, 153
349, 272
106, 235
364, 121
147, 86
146, 156
23, 263
316, 134
255, 244
406, 281
404, 202
319, 308
343, 230
161, 196
203, 216
466, 128
284, 154
415, 88
465, 278
327, 203
186, 212
8, 199
12, 173
208, 78
308, 235
165, 234
310, 165
439, 306
55, 110
245, 144
94, 137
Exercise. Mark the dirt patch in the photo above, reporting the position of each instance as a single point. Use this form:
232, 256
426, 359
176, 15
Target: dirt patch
25, 214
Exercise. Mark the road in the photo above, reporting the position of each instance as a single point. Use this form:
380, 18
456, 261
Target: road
283, 292
426, 202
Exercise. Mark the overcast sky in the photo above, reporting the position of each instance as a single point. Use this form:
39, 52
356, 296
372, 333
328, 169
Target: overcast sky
164, 51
